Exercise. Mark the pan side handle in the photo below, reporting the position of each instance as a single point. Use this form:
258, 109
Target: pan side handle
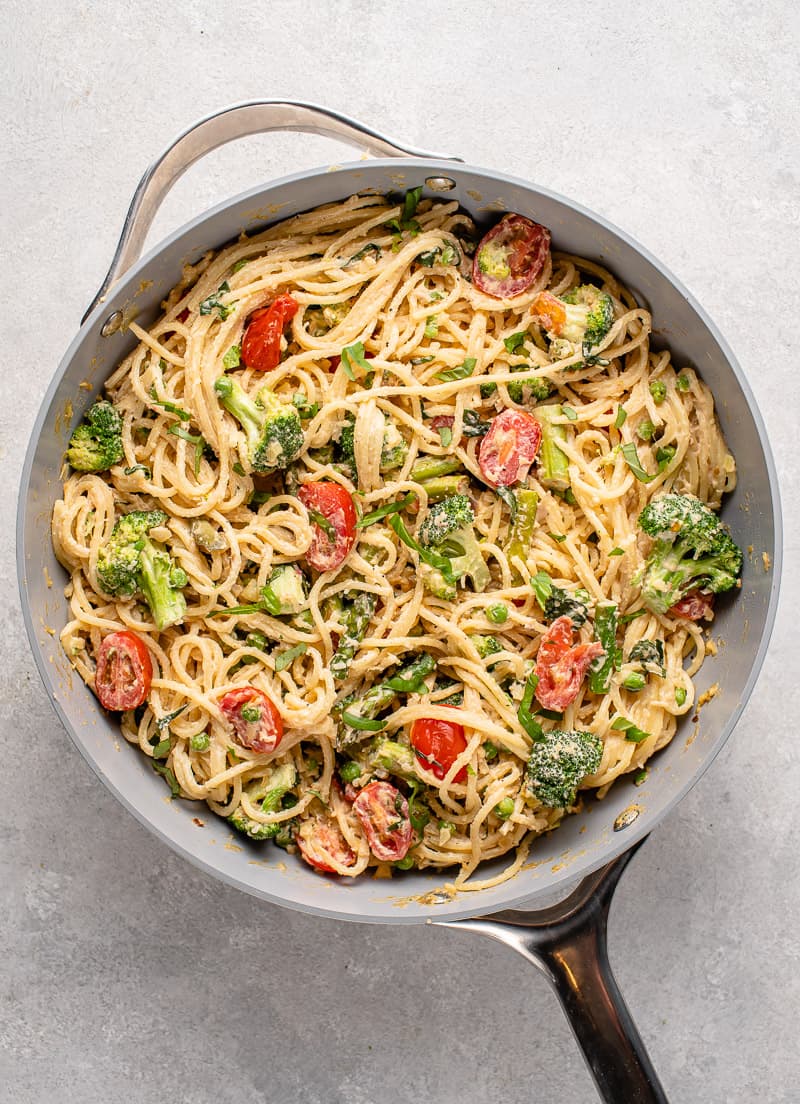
236, 121
568, 944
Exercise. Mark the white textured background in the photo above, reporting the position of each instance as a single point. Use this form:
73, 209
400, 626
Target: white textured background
125, 974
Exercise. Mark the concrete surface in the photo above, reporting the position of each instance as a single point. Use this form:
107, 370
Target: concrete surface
125, 974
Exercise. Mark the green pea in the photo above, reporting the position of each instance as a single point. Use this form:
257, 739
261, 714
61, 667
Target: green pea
200, 742
504, 808
350, 771
490, 751
658, 389
498, 613
405, 863
634, 681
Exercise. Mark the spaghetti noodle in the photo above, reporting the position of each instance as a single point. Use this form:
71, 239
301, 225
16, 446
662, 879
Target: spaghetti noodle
394, 344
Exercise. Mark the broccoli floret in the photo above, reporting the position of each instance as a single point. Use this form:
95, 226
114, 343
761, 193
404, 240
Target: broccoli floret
558, 764
285, 590
131, 563
436, 584
486, 645
563, 603
589, 316
96, 444
447, 529
273, 429
394, 448
272, 794
691, 551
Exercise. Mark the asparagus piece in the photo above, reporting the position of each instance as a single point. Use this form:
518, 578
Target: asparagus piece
521, 534
553, 463
431, 467
443, 486
605, 630
379, 697
357, 616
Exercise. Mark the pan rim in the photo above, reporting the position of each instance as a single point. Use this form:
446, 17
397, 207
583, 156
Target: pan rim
467, 903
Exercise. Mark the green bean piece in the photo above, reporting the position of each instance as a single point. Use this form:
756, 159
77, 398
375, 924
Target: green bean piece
553, 462
379, 697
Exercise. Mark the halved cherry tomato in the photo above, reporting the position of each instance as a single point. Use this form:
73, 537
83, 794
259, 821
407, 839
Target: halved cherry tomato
320, 841
256, 721
261, 345
560, 666
383, 812
124, 671
509, 448
694, 606
550, 311
510, 257
438, 744
335, 504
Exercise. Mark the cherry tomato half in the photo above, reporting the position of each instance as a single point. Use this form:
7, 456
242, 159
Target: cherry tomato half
335, 504
509, 448
561, 666
124, 671
255, 719
383, 812
320, 841
261, 344
438, 744
694, 606
510, 257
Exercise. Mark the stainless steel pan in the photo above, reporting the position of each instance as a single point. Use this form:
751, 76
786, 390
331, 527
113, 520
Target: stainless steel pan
566, 941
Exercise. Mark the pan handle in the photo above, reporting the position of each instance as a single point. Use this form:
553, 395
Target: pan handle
236, 121
567, 942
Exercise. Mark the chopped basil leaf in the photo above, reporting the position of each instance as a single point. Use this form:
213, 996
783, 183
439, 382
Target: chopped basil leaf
240, 264
238, 469
283, 660
162, 768
631, 455
524, 714
354, 354
617, 552
370, 247
385, 511
168, 718
212, 302
163, 748
433, 559
461, 372
515, 341
542, 587
362, 724
632, 616
325, 525
569, 413
139, 467
170, 407
421, 360
177, 430
622, 414
559, 538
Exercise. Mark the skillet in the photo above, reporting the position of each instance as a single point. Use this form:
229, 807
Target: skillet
565, 940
